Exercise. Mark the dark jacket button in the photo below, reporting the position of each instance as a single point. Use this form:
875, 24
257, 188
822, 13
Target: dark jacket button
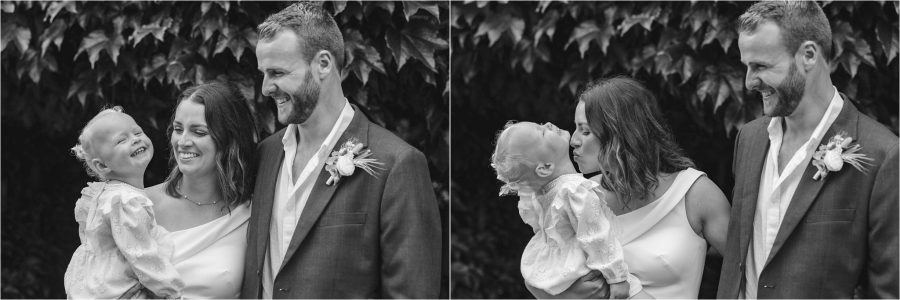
769, 286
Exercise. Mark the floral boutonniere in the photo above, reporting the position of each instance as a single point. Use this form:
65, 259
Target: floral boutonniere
345, 160
831, 156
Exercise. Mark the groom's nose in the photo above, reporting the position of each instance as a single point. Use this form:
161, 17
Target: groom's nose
751, 81
267, 87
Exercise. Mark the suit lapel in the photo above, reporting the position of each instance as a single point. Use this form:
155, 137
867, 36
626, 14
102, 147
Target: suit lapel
808, 189
756, 158
270, 167
321, 193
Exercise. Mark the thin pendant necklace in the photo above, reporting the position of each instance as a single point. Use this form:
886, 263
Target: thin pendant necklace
198, 203
183, 195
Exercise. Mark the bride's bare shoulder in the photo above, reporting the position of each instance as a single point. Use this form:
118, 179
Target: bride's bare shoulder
157, 194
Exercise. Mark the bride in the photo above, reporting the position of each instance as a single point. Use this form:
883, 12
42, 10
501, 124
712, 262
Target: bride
668, 211
204, 202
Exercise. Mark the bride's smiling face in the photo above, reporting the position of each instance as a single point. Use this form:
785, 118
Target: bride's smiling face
192, 143
586, 146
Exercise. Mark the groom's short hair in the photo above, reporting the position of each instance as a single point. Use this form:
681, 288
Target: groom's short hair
312, 24
799, 21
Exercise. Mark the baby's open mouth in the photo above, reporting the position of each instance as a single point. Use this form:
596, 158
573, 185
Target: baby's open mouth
138, 151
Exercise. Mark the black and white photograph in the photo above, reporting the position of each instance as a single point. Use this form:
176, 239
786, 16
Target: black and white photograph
175, 149
674, 149
450, 149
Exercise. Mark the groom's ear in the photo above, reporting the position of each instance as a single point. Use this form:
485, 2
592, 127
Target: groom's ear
544, 169
809, 54
324, 62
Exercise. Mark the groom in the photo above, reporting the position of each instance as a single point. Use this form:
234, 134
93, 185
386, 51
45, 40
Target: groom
792, 235
347, 234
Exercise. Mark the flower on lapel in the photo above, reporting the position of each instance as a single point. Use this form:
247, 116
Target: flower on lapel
831, 156
345, 160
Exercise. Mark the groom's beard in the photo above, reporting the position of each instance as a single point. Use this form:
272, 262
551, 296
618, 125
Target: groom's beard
305, 100
789, 93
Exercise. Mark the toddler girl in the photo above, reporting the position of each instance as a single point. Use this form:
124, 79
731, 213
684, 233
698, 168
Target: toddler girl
574, 230
123, 253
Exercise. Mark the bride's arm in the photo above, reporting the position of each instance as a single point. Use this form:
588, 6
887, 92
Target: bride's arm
708, 212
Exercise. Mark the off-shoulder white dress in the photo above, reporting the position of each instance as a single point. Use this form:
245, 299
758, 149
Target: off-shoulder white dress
210, 257
661, 247
574, 233
122, 248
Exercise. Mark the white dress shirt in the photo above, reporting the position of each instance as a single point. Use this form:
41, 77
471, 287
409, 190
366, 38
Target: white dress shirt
291, 197
777, 189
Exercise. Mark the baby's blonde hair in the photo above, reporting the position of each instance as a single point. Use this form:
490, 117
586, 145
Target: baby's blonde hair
84, 150
509, 164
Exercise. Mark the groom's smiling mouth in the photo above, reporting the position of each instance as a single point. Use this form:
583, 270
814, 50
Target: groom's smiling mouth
279, 100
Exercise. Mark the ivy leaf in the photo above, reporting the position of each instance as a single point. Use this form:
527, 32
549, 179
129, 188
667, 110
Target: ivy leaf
158, 31
386, 5
226, 5
92, 45
707, 87
851, 63
467, 12
665, 65
361, 57
723, 93
864, 52
418, 42
495, 25
57, 6
209, 25
234, 40
113, 47
525, 56
546, 26
887, 36
726, 36
21, 35
176, 72
645, 18
154, 69
841, 33
412, 7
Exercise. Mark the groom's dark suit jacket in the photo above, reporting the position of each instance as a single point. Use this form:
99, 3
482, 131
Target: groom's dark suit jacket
365, 237
839, 235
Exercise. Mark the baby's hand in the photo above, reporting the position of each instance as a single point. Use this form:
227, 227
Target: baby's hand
619, 290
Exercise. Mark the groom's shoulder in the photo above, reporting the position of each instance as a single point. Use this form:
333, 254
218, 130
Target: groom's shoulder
385, 143
875, 136
273, 140
757, 125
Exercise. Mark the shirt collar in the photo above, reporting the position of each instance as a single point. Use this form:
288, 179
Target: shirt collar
290, 134
831, 113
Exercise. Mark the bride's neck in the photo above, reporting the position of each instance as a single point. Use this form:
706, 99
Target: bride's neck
200, 187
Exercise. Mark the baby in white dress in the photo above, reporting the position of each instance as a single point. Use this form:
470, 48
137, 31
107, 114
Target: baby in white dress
123, 253
574, 230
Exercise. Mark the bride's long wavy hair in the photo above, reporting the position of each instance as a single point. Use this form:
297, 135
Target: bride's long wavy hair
635, 142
